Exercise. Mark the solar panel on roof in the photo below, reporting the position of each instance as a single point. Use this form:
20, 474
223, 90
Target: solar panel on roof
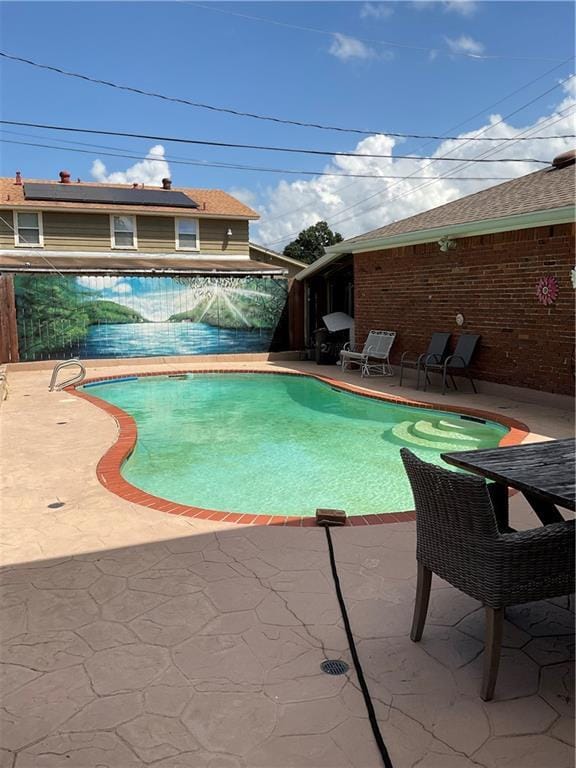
79, 193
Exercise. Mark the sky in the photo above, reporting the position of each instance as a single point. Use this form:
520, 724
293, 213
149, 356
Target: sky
377, 67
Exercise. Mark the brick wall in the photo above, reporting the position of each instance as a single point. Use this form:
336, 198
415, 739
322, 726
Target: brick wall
491, 280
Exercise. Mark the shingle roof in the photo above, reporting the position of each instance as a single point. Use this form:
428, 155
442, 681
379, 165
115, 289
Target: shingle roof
539, 191
211, 202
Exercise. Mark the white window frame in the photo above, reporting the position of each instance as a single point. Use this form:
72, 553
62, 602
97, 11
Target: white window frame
17, 242
179, 247
113, 245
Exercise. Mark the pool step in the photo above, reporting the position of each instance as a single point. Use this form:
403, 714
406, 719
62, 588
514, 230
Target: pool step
424, 434
428, 430
405, 434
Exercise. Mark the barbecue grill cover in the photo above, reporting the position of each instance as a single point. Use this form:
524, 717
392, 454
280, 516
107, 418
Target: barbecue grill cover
338, 321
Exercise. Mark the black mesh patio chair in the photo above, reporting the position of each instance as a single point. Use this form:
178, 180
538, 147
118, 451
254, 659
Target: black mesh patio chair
457, 539
456, 363
436, 353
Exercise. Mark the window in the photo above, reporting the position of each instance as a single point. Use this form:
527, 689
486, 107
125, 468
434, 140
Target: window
28, 231
123, 231
186, 234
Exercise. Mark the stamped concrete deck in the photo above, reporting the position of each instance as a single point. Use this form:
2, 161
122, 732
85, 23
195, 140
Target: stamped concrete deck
135, 638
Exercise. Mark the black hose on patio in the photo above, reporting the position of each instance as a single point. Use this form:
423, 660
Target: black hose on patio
386, 760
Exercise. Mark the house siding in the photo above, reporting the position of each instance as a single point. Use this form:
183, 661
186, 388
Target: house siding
491, 280
64, 231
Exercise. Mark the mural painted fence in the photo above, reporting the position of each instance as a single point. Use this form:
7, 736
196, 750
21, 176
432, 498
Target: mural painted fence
106, 316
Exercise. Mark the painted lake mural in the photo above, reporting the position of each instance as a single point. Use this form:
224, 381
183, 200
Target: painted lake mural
102, 316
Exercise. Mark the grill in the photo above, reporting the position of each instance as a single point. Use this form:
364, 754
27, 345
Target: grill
330, 339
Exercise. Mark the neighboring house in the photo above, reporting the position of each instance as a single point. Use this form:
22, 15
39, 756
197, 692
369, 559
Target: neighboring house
262, 254
96, 240
485, 257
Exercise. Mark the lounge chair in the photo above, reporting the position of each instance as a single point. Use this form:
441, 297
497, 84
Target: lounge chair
372, 358
457, 363
436, 352
457, 538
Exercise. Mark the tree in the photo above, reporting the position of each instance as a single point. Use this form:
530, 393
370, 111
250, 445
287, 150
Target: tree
312, 242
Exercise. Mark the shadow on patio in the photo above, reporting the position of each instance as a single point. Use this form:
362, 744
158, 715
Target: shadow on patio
204, 651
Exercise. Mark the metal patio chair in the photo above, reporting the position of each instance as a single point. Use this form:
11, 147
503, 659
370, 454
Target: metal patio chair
436, 353
457, 538
373, 357
455, 364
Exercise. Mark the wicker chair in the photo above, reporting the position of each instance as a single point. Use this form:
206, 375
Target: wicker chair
457, 539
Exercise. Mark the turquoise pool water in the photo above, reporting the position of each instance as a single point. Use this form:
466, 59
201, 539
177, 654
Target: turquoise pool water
279, 444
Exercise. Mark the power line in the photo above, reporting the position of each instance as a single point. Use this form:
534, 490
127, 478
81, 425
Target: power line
425, 185
389, 43
465, 162
231, 166
230, 111
39, 253
259, 147
334, 221
458, 125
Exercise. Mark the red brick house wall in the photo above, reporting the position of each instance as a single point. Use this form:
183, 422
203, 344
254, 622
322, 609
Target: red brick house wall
491, 280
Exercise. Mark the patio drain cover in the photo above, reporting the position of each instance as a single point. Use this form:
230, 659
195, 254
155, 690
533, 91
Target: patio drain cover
334, 667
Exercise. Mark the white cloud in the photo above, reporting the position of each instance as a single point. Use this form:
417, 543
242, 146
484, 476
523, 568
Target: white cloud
246, 196
465, 44
98, 282
122, 288
346, 48
376, 11
462, 7
149, 171
289, 207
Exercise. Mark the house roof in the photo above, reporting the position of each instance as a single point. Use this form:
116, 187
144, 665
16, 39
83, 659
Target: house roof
275, 255
539, 191
543, 197
211, 202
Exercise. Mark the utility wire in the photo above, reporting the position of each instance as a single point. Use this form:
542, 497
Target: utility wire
291, 150
39, 253
430, 183
390, 43
228, 110
449, 173
335, 221
469, 140
230, 166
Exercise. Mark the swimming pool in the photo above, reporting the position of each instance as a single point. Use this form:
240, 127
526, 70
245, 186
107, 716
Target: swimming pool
279, 444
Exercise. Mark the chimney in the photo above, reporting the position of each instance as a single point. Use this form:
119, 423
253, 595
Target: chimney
18, 179
565, 159
166, 183
64, 177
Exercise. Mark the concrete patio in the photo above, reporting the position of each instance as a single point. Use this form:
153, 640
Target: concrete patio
131, 637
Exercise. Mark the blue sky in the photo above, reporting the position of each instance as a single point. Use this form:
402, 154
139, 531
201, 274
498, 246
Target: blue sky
344, 79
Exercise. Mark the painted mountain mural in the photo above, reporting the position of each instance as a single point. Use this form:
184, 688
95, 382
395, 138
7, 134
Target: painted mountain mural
108, 316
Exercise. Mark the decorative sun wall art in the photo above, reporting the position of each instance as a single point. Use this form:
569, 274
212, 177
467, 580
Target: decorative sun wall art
547, 290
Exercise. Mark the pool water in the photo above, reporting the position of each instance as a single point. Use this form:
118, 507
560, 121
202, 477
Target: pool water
280, 444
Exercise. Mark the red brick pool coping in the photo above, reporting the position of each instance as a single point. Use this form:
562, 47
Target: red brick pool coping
109, 469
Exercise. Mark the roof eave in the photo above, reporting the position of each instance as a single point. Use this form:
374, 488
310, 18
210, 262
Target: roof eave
140, 210
563, 215
276, 255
